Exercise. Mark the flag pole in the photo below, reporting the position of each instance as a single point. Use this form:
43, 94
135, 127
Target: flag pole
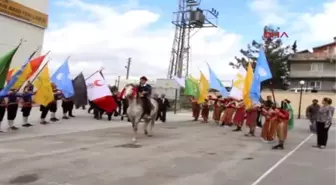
40, 71
94, 73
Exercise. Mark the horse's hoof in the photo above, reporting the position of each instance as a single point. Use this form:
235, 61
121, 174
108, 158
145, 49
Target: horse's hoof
146, 132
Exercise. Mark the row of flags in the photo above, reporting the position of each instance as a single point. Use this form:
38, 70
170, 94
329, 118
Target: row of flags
79, 89
246, 85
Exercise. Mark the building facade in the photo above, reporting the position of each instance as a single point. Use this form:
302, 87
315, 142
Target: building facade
317, 68
22, 19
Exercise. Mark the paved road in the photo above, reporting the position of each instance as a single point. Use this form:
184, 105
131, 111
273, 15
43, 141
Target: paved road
82, 151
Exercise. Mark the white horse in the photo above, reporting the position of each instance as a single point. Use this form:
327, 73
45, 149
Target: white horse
135, 111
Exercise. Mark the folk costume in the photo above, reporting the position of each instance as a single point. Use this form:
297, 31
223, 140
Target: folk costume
283, 116
145, 91
269, 128
27, 103
3, 106
251, 119
228, 112
217, 109
195, 108
53, 105
66, 106
12, 107
239, 116
205, 111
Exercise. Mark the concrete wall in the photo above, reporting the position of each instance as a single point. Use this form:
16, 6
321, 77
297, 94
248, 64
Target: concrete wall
12, 30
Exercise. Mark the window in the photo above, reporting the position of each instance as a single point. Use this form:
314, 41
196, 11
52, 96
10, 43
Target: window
316, 67
315, 84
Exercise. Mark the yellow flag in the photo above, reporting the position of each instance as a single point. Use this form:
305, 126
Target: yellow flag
23, 77
204, 89
247, 86
44, 94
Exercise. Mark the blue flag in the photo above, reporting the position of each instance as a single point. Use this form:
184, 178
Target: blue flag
262, 72
62, 79
14, 78
215, 83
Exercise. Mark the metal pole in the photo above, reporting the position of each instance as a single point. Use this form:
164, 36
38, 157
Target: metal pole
128, 68
118, 82
300, 102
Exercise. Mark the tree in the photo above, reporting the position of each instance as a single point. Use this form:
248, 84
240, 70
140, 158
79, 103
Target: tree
276, 54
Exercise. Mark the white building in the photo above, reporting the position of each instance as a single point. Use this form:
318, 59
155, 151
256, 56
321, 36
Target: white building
26, 19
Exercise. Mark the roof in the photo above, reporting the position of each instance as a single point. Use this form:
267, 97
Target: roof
325, 45
304, 51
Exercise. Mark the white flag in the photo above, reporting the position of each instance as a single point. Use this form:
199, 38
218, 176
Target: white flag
238, 84
180, 81
97, 87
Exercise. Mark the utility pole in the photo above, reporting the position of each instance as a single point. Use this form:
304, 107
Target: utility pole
118, 82
128, 68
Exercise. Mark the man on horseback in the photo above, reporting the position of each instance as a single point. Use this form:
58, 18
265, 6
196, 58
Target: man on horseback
145, 91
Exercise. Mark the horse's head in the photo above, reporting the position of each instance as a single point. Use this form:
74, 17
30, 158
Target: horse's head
130, 91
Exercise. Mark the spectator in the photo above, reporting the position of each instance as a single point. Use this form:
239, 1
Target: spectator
311, 114
323, 122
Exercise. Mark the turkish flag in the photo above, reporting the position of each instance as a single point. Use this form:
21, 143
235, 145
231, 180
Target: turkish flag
99, 93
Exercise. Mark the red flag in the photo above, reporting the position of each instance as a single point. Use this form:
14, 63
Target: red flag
99, 93
35, 64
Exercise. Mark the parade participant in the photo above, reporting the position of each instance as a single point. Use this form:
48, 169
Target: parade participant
229, 111
239, 116
270, 125
145, 91
66, 103
3, 106
53, 105
205, 111
27, 103
12, 107
217, 109
71, 107
44, 112
196, 108
282, 116
251, 119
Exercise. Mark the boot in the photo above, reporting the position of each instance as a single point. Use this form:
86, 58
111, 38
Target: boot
25, 122
11, 125
237, 129
53, 117
65, 116
43, 121
279, 146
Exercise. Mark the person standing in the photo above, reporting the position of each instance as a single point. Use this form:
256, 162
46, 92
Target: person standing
65, 107
12, 108
251, 119
239, 116
217, 109
27, 102
53, 105
195, 107
323, 122
3, 105
163, 107
205, 111
311, 114
282, 117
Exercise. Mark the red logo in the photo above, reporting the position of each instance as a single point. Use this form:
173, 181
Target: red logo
274, 34
96, 83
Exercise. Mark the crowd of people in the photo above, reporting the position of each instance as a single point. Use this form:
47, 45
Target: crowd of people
278, 118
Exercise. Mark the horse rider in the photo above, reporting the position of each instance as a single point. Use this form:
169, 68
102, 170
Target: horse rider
145, 91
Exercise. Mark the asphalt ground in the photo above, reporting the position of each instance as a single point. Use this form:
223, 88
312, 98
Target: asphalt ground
84, 151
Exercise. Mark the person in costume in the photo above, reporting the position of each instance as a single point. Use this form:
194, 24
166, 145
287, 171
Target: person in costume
229, 111
217, 109
145, 91
205, 111
53, 105
291, 114
196, 108
269, 127
239, 116
71, 108
282, 115
27, 104
66, 103
3, 106
251, 119
12, 107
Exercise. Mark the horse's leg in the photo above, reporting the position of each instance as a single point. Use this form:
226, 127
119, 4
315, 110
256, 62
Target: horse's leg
145, 126
135, 130
152, 122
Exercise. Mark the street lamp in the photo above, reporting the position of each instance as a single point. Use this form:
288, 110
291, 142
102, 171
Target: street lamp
300, 101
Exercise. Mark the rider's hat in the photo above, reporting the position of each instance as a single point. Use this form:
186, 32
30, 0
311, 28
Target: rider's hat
144, 78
